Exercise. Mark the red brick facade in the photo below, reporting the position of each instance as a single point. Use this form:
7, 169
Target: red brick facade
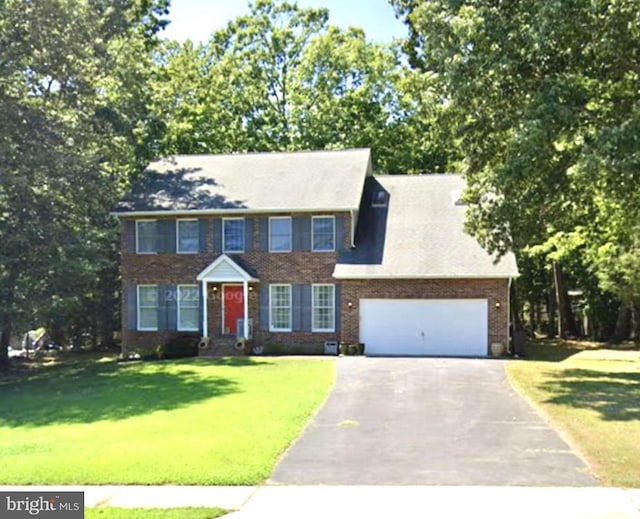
495, 291
285, 267
291, 268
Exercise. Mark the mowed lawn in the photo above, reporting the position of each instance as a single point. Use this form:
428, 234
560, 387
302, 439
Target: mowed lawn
153, 513
593, 395
195, 421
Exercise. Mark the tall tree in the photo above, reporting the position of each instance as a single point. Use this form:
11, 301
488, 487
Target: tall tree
547, 109
281, 78
71, 75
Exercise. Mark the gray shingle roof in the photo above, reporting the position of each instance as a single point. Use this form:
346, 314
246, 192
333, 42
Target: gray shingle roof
418, 235
295, 181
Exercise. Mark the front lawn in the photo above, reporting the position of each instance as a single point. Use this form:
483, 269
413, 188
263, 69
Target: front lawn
196, 421
153, 513
593, 396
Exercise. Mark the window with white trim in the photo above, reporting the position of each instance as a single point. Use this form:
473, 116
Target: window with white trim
147, 307
323, 308
146, 236
187, 236
323, 233
280, 234
188, 308
233, 234
280, 308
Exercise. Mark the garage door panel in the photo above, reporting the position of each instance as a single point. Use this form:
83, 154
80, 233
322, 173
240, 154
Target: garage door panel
424, 326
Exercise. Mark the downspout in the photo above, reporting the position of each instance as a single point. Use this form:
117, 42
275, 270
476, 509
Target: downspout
205, 331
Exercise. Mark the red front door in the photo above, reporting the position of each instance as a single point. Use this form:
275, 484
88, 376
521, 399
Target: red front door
233, 308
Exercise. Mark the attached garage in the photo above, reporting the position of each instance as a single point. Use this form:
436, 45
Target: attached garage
454, 327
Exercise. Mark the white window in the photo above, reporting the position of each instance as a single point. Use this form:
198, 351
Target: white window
146, 236
187, 236
323, 233
233, 234
147, 307
280, 234
280, 308
323, 308
188, 308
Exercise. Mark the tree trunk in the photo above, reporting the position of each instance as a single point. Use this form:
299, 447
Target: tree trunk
635, 332
623, 323
566, 321
516, 310
6, 322
551, 310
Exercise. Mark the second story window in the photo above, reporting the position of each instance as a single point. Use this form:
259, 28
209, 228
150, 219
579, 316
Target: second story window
323, 231
146, 236
187, 236
233, 235
280, 234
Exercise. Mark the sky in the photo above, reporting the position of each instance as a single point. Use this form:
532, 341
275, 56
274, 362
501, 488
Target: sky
197, 19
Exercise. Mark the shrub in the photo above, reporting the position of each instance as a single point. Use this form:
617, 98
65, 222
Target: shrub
178, 347
294, 349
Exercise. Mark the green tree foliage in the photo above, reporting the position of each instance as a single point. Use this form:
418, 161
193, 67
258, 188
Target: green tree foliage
281, 78
546, 105
73, 130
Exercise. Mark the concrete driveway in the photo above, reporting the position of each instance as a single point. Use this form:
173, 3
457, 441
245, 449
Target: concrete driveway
428, 421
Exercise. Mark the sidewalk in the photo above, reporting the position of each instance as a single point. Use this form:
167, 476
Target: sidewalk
134, 496
406, 502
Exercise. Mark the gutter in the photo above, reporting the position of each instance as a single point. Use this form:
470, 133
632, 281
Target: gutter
176, 212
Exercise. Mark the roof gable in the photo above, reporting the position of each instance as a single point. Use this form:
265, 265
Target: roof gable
251, 182
419, 234
225, 269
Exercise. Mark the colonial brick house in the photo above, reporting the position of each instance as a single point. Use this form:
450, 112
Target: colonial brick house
305, 248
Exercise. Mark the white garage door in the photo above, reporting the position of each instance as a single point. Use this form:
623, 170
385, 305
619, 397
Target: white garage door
424, 326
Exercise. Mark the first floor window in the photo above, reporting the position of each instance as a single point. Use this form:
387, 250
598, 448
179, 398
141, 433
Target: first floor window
147, 307
188, 233
280, 308
188, 307
146, 236
323, 308
233, 234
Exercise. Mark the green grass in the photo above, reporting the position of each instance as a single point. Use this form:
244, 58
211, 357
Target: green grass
153, 513
592, 395
195, 421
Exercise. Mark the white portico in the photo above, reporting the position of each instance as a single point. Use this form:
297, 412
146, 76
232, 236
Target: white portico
235, 282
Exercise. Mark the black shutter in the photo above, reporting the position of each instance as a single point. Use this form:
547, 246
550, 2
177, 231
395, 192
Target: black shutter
166, 236
248, 234
132, 307
203, 224
301, 228
306, 309
296, 307
340, 233
217, 235
171, 295
337, 308
129, 229
264, 307
163, 296
263, 229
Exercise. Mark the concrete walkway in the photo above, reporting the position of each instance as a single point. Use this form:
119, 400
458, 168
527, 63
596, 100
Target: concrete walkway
408, 502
